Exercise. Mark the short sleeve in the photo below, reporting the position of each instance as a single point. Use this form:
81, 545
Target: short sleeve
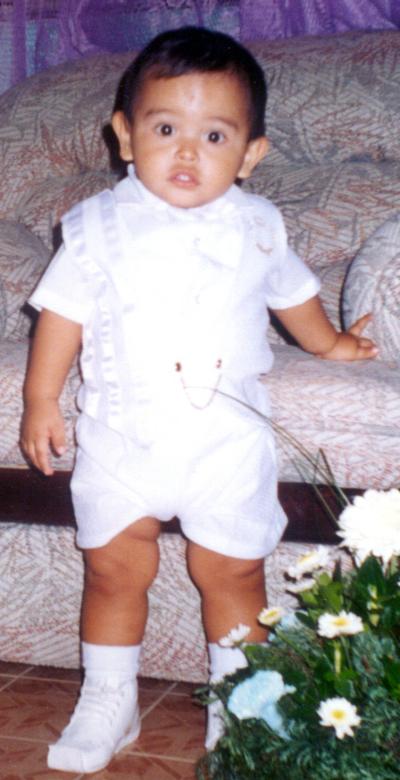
63, 289
290, 282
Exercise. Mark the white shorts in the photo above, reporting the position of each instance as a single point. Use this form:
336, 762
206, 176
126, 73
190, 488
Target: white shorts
214, 469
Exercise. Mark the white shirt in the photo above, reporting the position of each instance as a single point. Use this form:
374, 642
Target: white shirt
158, 287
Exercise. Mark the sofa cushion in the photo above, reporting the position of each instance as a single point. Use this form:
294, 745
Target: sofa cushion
373, 285
350, 410
13, 358
330, 210
332, 98
43, 207
53, 125
23, 257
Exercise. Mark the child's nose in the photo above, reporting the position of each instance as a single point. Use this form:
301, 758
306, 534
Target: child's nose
187, 149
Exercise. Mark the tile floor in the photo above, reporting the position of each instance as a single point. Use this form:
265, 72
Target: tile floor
35, 703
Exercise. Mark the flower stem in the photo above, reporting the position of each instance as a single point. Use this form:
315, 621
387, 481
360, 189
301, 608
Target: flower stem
337, 658
294, 647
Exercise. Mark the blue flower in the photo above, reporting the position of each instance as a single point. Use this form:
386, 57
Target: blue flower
257, 697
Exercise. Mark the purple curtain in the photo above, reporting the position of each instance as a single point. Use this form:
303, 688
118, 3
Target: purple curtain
35, 34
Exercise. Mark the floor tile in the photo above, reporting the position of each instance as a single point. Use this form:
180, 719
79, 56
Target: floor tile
36, 709
131, 765
10, 668
186, 689
151, 684
52, 673
25, 760
35, 704
173, 730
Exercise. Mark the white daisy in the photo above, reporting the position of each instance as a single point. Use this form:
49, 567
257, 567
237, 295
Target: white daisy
341, 715
315, 559
235, 636
272, 616
301, 586
371, 525
344, 624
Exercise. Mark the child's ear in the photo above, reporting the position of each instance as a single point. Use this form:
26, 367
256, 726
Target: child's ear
256, 150
121, 128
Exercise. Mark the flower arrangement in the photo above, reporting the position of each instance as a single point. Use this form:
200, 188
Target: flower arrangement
321, 698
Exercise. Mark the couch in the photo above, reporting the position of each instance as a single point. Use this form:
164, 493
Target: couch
333, 119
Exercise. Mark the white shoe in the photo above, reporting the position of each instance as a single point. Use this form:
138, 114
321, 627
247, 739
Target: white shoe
105, 719
215, 724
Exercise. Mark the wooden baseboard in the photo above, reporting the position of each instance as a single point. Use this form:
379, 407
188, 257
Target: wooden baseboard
26, 496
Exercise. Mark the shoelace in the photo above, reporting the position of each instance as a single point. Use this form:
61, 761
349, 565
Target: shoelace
100, 703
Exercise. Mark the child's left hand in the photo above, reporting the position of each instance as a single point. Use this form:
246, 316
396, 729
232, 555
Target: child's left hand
351, 345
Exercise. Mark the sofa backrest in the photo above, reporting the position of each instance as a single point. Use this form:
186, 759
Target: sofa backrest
331, 99
334, 166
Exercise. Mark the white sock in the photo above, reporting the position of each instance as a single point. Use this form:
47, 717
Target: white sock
223, 660
117, 661
106, 717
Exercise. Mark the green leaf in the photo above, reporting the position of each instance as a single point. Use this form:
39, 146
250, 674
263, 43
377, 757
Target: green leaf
324, 580
371, 573
309, 597
392, 676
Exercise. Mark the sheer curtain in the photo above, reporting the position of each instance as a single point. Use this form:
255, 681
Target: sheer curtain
35, 34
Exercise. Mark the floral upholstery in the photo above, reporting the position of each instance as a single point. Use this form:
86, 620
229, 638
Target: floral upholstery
22, 256
372, 285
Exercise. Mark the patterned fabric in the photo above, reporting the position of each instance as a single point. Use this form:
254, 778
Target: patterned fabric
54, 142
373, 285
22, 257
351, 412
331, 209
39, 615
13, 359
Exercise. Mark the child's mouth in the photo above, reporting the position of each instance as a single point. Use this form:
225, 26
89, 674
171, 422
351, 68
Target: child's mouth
184, 179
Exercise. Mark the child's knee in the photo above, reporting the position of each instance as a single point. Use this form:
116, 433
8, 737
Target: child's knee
129, 561
211, 571
104, 571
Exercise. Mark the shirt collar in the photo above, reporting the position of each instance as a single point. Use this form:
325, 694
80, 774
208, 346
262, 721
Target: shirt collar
224, 205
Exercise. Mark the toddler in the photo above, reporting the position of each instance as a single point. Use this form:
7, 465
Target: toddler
163, 284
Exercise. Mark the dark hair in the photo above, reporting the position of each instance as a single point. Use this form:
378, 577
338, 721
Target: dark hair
196, 49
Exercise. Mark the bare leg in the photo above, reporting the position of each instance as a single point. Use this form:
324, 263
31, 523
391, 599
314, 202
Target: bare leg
114, 614
232, 592
117, 578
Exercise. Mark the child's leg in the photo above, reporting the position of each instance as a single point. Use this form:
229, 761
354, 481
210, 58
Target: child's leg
117, 578
232, 592
114, 614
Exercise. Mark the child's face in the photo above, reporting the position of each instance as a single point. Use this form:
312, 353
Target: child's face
189, 137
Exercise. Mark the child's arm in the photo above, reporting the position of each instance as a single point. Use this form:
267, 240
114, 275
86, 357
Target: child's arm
56, 342
311, 328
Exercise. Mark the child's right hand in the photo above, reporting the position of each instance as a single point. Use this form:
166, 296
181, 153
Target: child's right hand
42, 431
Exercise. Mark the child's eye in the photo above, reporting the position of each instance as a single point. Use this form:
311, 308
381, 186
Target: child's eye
215, 137
165, 129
